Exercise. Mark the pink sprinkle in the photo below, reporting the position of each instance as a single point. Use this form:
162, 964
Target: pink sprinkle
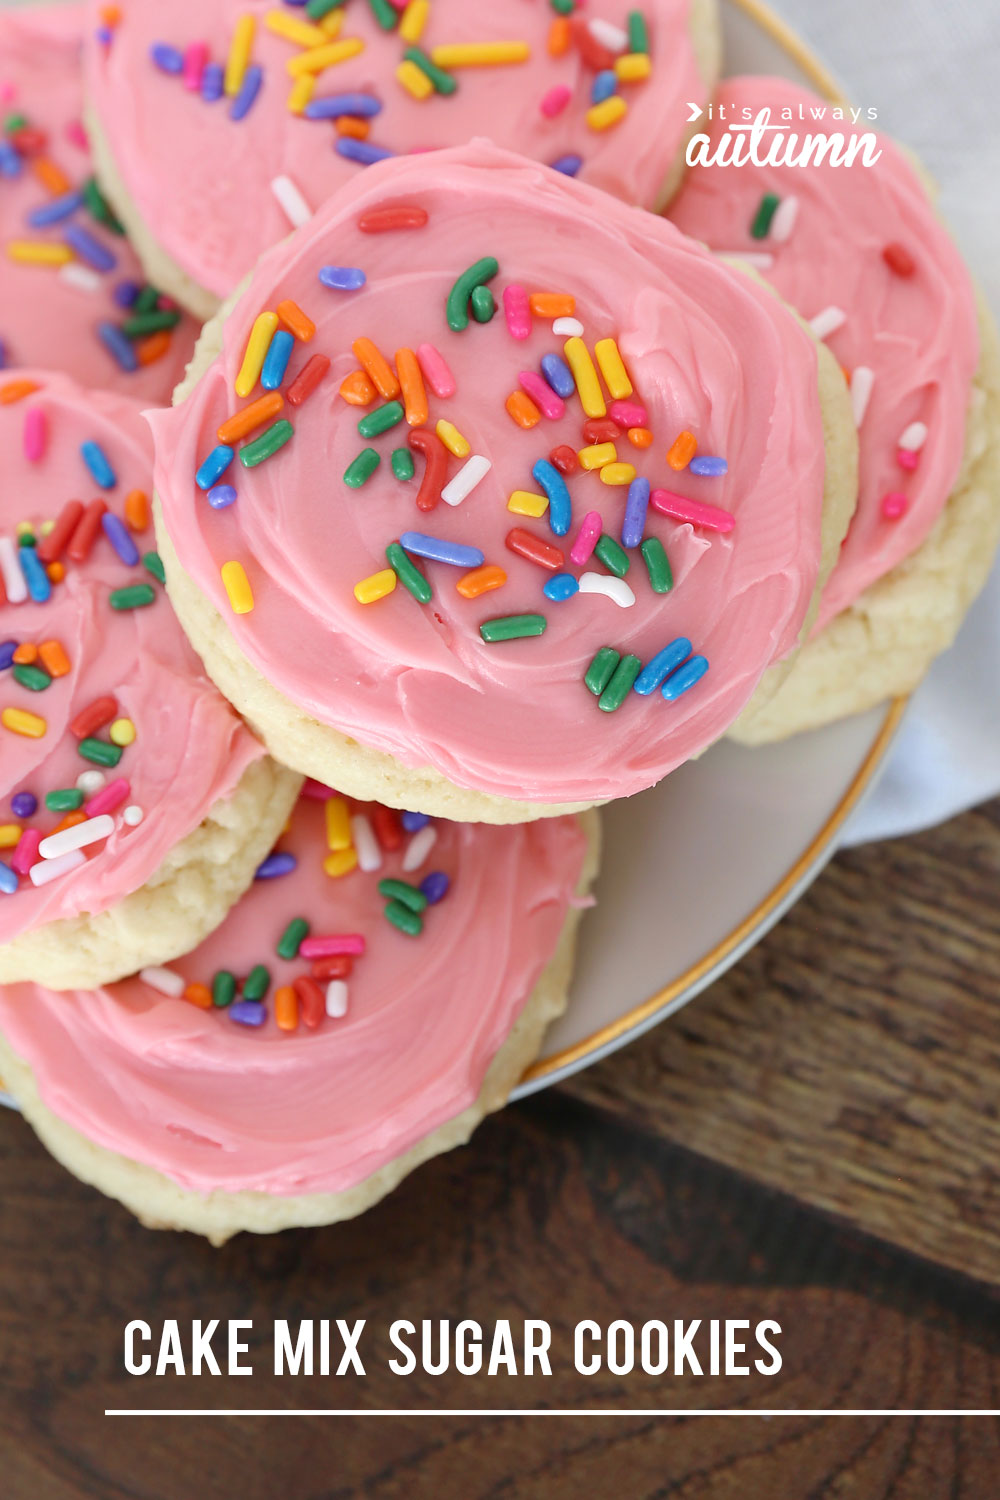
587, 538
907, 459
26, 853
317, 791
555, 101
108, 798
195, 58
352, 944
77, 136
34, 434
517, 311
708, 517
894, 505
627, 414
435, 370
543, 395
8, 92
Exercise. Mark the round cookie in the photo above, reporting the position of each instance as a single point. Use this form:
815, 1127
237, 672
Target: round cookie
206, 178
418, 696
197, 1118
860, 251
134, 805
92, 316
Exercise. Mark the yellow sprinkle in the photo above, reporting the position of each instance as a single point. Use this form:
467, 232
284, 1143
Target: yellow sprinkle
612, 367
19, 721
525, 503
257, 344
633, 67
294, 30
46, 527
338, 825
617, 473
10, 835
39, 253
301, 93
414, 80
122, 732
341, 863
237, 586
24, 528
378, 586
411, 27
579, 360
239, 53
331, 24
598, 455
318, 58
480, 54
453, 439
602, 116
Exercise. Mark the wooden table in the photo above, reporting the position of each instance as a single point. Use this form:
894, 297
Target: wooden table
815, 1140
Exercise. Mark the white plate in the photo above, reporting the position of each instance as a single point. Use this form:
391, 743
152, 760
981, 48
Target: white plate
698, 869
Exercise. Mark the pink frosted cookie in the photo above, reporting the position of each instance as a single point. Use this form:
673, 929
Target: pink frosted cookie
72, 293
860, 252
468, 557
219, 127
381, 987
134, 805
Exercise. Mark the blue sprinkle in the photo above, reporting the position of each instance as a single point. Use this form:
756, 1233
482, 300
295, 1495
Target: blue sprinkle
712, 468
125, 293
663, 663
96, 460
24, 804
279, 352
118, 536
636, 506
168, 59
11, 164
414, 821
435, 886
249, 89
7, 649
103, 35
214, 466
561, 586
248, 1013
604, 85
275, 865
331, 106
120, 348
212, 82
438, 550
8, 880
691, 672
554, 485
361, 151
221, 495
342, 278
35, 575
558, 374
54, 212
89, 248
568, 165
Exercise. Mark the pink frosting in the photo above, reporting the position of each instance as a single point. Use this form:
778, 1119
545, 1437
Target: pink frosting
218, 1106
916, 333
190, 748
707, 350
202, 182
44, 319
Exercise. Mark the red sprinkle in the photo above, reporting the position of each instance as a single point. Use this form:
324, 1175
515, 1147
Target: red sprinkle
378, 220
94, 717
52, 546
337, 966
564, 458
600, 430
595, 55
28, 140
85, 532
899, 259
312, 1005
535, 549
307, 379
387, 828
422, 440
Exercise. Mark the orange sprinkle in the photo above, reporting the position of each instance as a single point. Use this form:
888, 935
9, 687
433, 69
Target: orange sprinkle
552, 304
110, 14
481, 581
295, 320
412, 382
56, 572
52, 178
523, 410
357, 389
54, 658
137, 510
16, 390
26, 654
640, 437
200, 995
684, 449
377, 368
71, 820
251, 417
153, 347
559, 37
286, 1008
353, 126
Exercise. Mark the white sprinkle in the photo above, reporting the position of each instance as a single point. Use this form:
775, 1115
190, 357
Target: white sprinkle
914, 437
336, 998
365, 844
612, 588
419, 847
47, 870
10, 568
568, 328
469, 475
759, 259
77, 837
82, 277
609, 35
297, 210
862, 385
89, 782
827, 322
784, 219
133, 815
164, 981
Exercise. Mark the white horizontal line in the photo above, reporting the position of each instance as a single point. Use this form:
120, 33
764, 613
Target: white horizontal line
638, 1411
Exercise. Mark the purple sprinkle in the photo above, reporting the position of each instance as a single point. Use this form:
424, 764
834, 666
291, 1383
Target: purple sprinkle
248, 1013
332, 106
221, 495
568, 165
249, 89
125, 293
53, 213
414, 821
7, 649
361, 151
118, 536
118, 346
435, 886
275, 865
10, 160
168, 59
89, 248
4, 357
342, 278
709, 467
103, 35
636, 506
24, 804
212, 82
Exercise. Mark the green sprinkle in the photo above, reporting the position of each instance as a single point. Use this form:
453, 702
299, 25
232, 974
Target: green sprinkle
457, 306
442, 81
512, 627
291, 939
661, 578
257, 983
638, 32
137, 326
317, 9
563, 7
270, 440
765, 213
223, 988
484, 304
147, 299
15, 122
614, 558
402, 463
27, 539
361, 470
601, 670
31, 677
99, 206
153, 563
100, 752
382, 418
136, 596
406, 920
408, 895
409, 574
621, 684
67, 799
385, 14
